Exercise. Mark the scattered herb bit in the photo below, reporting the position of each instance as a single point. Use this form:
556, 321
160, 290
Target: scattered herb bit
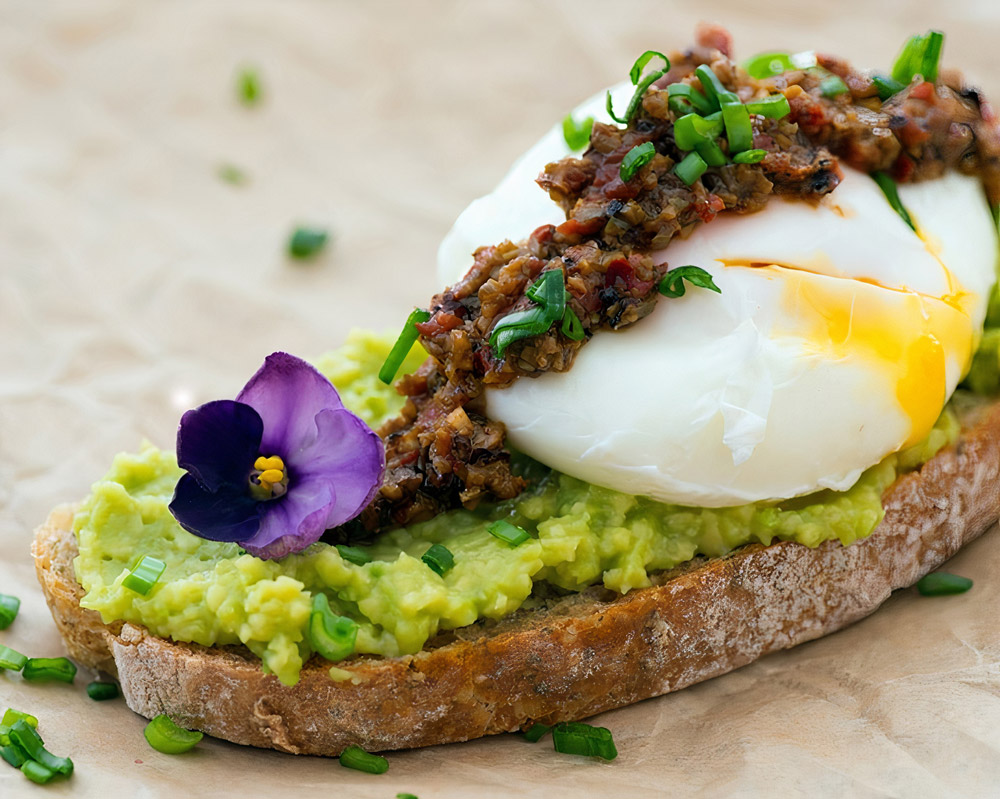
9, 606
508, 533
572, 327
13, 754
248, 87
11, 717
36, 772
357, 758
407, 338
943, 584
739, 131
49, 669
716, 93
691, 168
691, 130
577, 134
330, 636
672, 284
535, 732
406, 796
888, 186
635, 159
774, 106
920, 56
164, 736
749, 157
577, 738
231, 173
832, 86
886, 86
307, 242
698, 101
549, 291
356, 555
767, 65
640, 86
144, 574
102, 691
25, 736
11, 659
439, 559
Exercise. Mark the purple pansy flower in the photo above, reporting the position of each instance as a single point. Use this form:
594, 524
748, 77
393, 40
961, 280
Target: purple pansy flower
276, 467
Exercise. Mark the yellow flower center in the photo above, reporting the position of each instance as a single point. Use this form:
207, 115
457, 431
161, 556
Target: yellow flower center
268, 478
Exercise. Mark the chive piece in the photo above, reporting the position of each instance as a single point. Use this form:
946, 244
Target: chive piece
572, 327
307, 242
508, 533
330, 636
711, 153
920, 56
11, 717
749, 157
716, 93
11, 659
9, 606
577, 738
942, 584
697, 99
691, 130
102, 691
406, 796
439, 559
635, 159
49, 669
577, 134
24, 735
248, 87
774, 106
356, 555
549, 291
932, 56
144, 574
691, 168
640, 64
672, 284
886, 86
36, 772
357, 758
231, 173
535, 732
767, 65
888, 186
739, 132
403, 345
832, 86
14, 755
164, 736
640, 87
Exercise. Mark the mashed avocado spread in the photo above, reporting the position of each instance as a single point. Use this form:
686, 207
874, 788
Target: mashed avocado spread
211, 593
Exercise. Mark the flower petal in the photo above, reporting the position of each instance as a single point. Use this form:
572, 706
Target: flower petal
347, 452
294, 521
218, 443
288, 393
229, 514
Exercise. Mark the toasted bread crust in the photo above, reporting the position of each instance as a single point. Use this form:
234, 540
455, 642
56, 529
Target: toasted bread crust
588, 653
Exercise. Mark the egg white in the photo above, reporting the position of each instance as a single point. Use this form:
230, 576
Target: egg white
837, 338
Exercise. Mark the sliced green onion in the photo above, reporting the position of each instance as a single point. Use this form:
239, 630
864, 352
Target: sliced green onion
832, 86
356, 555
577, 134
691, 130
14, 755
402, 346
144, 574
672, 284
774, 106
767, 65
577, 738
572, 327
715, 92
307, 242
11, 717
24, 735
691, 168
711, 153
508, 533
680, 106
739, 132
8, 610
888, 186
640, 87
4, 737
102, 691
49, 669
886, 86
406, 796
36, 772
549, 291
231, 173
357, 758
12, 659
535, 732
920, 56
697, 99
942, 584
749, 157
439, 559
635, 159
248, 87
331, 636
640, 64
164, 736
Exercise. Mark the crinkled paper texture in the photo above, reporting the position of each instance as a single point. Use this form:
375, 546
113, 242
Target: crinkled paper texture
135, 284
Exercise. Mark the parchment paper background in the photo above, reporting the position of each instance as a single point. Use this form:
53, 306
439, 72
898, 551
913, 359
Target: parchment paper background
134, 284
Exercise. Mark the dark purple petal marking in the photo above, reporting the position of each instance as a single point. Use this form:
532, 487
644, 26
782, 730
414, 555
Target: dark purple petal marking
218, 443
288, 393
295, 521
229, 514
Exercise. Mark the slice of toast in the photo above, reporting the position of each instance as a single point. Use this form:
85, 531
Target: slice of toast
562, 659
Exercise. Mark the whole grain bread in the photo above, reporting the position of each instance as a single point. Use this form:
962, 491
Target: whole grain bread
561, 659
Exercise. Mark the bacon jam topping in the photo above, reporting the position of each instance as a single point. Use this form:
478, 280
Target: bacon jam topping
442, 451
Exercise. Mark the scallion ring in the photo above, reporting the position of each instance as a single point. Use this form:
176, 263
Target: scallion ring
691, 168
9, 606
144, 574
11, 659
25, 736
739, 131
508, 533
716, 93
943, 584
356, 555
307, 242
407, 338
330, 636
832, 86
572, 327
640, 86
774, 106
103, 691
11, 717
672, 284
691, 130
358, 759
439, 559
767, 65
577, 134
697, 99
165, 736
536, 732
886, 86
577, 738
48, 669
635, 159
749, 157
888, 186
